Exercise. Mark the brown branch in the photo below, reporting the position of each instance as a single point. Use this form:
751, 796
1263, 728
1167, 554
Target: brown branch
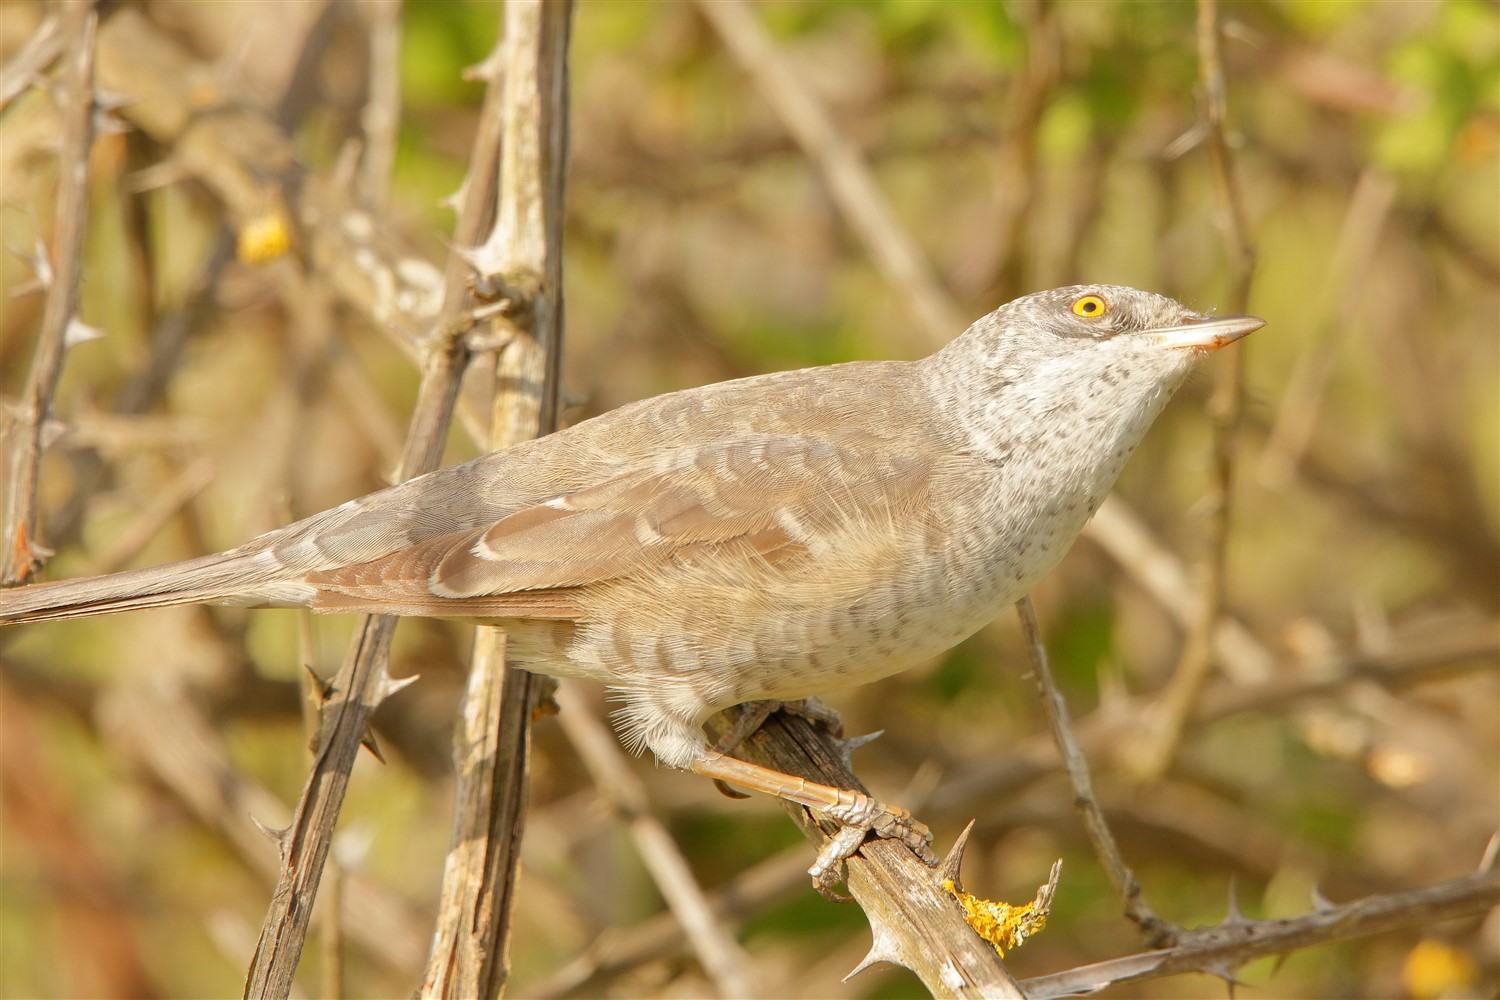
1221, 950
158, 726
240, 155
1225, 411
24, 553
722, 957
1157, 931
24, 68
520, 261
1403, 665
616, 952
915, 922
362, 682
359, 688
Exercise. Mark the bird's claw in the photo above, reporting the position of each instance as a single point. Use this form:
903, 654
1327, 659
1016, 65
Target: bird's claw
857, 820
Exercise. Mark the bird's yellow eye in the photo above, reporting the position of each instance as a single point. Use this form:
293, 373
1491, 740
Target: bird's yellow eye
1090, 307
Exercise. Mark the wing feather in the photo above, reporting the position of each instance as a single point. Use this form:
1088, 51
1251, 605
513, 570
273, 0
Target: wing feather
760, 503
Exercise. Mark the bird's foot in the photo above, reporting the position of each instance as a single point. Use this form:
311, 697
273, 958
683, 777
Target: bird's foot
857, 814
860, 816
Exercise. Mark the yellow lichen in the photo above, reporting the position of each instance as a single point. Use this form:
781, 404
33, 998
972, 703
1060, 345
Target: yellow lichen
1004, 925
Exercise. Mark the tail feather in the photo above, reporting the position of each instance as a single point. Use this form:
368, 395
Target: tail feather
226, 578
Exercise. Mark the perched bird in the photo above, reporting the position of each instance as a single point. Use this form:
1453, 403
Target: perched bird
772, 537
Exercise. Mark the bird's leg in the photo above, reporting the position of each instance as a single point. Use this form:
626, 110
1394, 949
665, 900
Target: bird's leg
856, 812
753, 714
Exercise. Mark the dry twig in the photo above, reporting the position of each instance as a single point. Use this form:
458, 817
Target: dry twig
24, 553
616, 952
1220, 950
722, 958
519, 166
39, 52
1156, 930
915, 922
362, 682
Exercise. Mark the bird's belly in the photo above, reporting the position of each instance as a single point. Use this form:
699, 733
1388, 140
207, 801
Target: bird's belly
723, 644
881, 603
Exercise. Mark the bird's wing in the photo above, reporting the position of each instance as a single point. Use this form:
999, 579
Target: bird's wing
754, 505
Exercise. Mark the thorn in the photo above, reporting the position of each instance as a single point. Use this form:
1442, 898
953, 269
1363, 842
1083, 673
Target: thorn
1224, 971
845, 746
482, 268
948, 870
1320, 902
53, 431
26, 554
1233, 916
111, 100
870, 959
489, 69
39, 263
1491, 853
454, 201
388, 685
275, 835
367, 740
320, 690
104, 121
884, 948
546, 697
78, 332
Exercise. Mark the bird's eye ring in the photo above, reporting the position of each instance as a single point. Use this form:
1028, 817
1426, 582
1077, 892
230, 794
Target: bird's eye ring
1090, 307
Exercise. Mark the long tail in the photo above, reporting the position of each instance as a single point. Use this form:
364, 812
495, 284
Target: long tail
224, 578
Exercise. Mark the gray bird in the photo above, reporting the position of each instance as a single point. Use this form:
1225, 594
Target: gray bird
773, 537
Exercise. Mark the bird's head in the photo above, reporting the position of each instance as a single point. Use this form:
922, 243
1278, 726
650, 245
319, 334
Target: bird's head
1103, 356
1096, 327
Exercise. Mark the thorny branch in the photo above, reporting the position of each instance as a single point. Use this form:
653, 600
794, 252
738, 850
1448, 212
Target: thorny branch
1220, 950
363, 682
723, 959
1156, 930
24, 552
524, 166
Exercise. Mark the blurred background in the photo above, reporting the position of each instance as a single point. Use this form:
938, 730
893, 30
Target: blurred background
1348, 746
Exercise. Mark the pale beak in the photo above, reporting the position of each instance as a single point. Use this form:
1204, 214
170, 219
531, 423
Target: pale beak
1206, 333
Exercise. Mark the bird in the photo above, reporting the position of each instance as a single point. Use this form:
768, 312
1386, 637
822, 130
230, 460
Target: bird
769, 538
